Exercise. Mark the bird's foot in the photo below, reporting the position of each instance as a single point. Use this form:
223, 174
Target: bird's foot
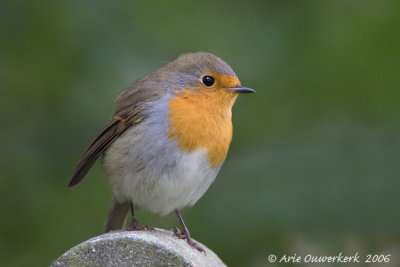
138, 227
186, 236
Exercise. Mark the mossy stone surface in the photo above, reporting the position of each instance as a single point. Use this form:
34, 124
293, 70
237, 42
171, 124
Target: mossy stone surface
137, 248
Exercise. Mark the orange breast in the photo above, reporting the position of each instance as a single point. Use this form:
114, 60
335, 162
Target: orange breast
202, 119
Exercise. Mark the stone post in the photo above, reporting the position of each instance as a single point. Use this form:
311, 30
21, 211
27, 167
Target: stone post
137, 248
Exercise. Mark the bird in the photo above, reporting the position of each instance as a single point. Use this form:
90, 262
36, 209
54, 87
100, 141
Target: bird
167, 141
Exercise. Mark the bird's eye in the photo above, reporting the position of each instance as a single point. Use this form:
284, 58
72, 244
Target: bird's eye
208, 81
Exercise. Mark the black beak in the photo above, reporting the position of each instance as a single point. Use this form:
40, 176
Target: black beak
241, 90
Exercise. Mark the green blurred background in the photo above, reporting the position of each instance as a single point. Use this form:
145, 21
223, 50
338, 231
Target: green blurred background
314, 162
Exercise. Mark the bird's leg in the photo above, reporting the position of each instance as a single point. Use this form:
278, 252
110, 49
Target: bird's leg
135, 226
185, 233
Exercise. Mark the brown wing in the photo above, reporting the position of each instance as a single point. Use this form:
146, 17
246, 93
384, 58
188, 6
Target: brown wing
118, 124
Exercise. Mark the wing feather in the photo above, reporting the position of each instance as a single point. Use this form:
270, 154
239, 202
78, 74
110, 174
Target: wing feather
127, 117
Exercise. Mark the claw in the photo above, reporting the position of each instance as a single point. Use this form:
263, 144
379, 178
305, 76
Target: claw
195, 245
178, 234
135, 226
138, 227
185, 234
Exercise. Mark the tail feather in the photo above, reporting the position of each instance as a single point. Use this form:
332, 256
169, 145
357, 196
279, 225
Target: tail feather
117, 215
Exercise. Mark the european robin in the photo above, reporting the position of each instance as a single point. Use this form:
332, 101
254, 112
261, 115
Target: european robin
167, 140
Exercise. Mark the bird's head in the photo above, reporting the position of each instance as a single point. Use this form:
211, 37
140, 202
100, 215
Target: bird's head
203, 73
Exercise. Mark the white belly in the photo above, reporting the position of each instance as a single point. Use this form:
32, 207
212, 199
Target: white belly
156, 175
